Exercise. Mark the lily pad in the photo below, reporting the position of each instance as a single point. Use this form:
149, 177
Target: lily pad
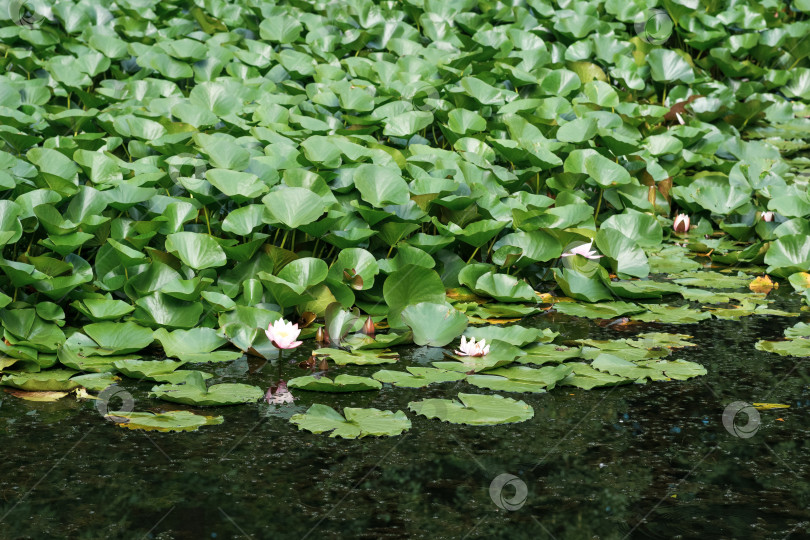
165, 421
417, 377
474, 409
358, 357
356, 423
342, 383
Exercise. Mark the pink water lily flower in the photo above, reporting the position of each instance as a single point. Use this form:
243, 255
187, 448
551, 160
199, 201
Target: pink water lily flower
767, 216
282, 334
584, 250
681, 224
471, 348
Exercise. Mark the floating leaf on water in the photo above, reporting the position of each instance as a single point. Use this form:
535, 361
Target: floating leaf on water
521, 378
417, 377
671, 315
359, 357
342, 383
193, 391
36, 396
514, 334
357, 423
603, 310
586, 377
474, 409
165, 421
769, 406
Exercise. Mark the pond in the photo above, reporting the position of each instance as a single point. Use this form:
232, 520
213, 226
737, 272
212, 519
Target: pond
633, 461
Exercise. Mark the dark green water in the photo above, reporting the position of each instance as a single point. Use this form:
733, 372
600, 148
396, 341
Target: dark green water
639, 461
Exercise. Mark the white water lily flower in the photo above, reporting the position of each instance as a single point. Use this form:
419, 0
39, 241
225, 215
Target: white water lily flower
471, 348
282, 334
767, 216
584, 250
681, 224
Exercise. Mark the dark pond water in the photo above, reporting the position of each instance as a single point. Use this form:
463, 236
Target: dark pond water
639, 461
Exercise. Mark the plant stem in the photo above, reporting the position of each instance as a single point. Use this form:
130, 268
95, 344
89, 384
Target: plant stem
284, 238
598, 206
473, 254
207, 223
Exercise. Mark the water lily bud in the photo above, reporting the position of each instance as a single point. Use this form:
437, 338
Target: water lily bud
324, 365
368, 327
681, 224
767, 216
320, 335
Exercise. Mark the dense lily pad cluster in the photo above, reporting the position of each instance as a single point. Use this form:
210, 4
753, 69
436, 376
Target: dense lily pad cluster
189, 174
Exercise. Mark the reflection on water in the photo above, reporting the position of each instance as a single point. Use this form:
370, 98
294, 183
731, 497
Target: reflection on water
639, 461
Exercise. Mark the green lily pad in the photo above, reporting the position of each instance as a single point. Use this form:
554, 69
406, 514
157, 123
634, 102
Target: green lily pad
43, 381
521, 378
603, 310
514, 334
193, 391
586, 377
358, 357
432, 324
118, 338
671, 315
356, 423
165, 421
474, 409
417, 377
342, 383
195, 345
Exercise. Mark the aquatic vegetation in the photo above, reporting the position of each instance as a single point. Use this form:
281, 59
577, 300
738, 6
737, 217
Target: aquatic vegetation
187, 188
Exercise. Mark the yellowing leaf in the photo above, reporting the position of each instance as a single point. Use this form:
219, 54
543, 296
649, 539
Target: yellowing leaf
769, 406
36, 396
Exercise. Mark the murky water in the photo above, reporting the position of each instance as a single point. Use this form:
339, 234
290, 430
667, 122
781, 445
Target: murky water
638, 461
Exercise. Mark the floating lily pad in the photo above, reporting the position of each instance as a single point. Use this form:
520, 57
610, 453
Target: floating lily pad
165, 421
357, 423
586, 377
342, 383
474, 409
793, 347
359, 357
193, 391
521, 378
417, 377
514, 334
671, 314
603, 310
52, 380
713, 280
